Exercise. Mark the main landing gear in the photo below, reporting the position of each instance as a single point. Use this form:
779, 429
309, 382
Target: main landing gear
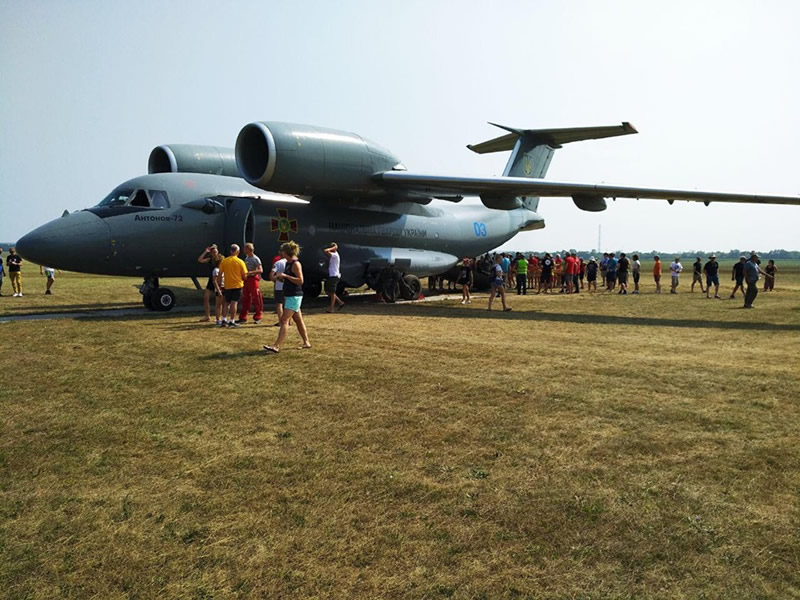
156, 298
391, 283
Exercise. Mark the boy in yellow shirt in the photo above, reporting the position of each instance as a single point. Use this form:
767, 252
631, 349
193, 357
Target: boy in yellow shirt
234, 271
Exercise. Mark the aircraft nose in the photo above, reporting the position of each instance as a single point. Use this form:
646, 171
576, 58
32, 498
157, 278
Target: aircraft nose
72, 242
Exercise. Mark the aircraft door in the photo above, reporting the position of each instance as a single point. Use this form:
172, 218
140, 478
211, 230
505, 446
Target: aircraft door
239, 222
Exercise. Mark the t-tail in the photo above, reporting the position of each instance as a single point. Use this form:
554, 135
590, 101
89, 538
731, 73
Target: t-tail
531, 153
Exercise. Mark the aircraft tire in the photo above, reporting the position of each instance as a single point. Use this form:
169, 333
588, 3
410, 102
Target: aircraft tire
410, 288
147, 300
162, 299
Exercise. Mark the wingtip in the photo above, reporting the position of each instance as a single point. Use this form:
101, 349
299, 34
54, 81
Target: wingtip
629, 127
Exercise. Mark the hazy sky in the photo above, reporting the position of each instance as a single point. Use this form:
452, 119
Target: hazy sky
88, 88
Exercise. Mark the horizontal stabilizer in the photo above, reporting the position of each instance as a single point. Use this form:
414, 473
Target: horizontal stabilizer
554, 138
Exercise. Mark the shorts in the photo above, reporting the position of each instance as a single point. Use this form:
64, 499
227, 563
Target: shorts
712, 280
498, 283
622, 277
591, 278
330, 285
657, 278
210, 284
546, 278
611, 277
233, 295
278, 296
292, 303
740, 281
697, 277
636, 277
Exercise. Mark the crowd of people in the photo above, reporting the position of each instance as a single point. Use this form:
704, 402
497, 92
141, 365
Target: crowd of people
570, 274
234, 283
235, 286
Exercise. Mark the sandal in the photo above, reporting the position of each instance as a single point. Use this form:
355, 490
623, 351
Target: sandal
272, 349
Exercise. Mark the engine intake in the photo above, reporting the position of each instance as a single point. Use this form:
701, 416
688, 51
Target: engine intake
188, 158
308, 160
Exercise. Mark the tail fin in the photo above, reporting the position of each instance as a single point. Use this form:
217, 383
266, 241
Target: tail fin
532, 150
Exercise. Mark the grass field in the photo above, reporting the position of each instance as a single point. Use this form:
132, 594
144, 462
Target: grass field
591, 446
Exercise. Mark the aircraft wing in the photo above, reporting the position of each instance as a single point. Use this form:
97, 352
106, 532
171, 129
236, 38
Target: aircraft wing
437, 185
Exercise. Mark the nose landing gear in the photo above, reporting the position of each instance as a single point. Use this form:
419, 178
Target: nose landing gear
155, 297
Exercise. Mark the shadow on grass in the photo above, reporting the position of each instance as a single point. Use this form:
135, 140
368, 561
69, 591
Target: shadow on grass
23, 311
235, 355
450, 312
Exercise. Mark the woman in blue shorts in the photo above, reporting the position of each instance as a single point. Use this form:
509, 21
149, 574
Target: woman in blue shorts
498, 285
292, 278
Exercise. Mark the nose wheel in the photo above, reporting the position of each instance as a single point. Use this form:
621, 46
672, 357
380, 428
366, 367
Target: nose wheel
156, 298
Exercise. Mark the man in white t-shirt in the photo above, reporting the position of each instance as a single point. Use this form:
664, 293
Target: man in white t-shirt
278, 267
675, 270
334, 275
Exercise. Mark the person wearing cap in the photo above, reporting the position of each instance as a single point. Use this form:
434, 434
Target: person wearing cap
697, 274
711, 269
334, 275
769, 280
752, 273
737, 275
675, 269
465, 279
591, 274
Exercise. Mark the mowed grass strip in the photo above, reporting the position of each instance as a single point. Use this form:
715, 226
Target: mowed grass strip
584, 446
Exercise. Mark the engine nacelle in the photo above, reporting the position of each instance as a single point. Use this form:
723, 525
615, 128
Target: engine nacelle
306, 160
590, 202
188, 158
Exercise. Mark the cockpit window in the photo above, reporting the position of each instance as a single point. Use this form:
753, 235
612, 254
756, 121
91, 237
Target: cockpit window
118, 197
158, 199
141, 198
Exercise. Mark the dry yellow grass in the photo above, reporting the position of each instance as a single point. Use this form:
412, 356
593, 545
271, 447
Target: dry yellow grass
578, 447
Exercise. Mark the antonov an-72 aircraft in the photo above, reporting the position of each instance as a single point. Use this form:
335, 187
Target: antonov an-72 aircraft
316, 185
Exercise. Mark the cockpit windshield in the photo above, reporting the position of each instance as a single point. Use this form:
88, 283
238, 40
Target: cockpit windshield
119, 197
140, 198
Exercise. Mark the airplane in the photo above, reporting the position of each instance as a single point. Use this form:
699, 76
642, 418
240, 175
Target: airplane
316, 185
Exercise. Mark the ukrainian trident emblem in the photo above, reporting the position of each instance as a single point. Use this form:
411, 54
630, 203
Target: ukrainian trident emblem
283, 225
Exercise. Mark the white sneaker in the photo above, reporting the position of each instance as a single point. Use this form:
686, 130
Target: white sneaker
16, 295
20, 294
469, 301
463, 302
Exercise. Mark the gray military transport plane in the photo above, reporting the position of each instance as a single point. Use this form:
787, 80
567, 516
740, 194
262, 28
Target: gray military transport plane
316, 185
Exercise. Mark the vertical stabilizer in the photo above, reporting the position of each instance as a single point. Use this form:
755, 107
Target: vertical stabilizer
532, 150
